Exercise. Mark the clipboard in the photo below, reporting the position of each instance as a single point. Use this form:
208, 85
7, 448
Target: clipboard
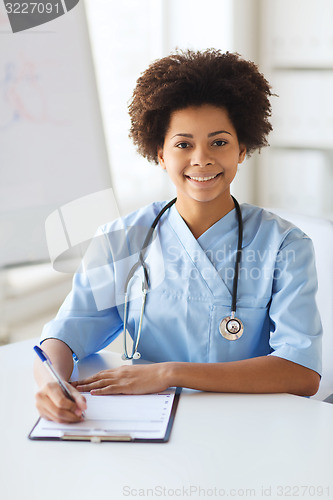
144, 418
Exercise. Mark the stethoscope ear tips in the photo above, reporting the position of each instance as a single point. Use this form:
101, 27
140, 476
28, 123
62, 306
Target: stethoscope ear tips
136, 355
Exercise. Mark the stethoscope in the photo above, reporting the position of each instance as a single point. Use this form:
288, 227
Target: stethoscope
231, 328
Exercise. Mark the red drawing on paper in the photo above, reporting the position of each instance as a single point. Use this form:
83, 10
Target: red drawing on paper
22, 95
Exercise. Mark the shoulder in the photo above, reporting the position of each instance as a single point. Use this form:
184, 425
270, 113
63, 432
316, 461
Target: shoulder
268, 226
145, 215
142, 217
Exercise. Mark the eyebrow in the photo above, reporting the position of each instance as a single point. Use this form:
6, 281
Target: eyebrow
211, 134
218, 132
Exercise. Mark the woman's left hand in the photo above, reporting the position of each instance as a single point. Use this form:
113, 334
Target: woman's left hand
133, 379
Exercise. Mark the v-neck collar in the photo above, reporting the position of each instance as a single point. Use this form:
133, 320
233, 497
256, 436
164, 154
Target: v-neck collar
212, 235
196, 248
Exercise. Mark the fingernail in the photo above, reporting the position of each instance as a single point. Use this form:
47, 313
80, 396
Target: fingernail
78, 412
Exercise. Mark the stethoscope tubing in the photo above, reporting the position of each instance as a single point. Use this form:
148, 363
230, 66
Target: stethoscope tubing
238, 256
145, 282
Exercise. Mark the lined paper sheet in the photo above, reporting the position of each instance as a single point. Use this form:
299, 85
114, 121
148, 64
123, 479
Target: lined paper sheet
139, 417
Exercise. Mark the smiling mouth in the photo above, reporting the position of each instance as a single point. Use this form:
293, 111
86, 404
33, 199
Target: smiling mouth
202, 179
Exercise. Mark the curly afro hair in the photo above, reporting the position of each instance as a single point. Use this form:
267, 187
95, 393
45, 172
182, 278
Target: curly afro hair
189, 78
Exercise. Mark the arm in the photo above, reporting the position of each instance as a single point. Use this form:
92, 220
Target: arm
50, 400
86, 325
61, 358
267, 374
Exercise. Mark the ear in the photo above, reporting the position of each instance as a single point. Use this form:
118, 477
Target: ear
242, 153
161, 158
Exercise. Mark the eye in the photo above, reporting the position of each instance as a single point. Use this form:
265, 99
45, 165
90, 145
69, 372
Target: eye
219, 142
182, 145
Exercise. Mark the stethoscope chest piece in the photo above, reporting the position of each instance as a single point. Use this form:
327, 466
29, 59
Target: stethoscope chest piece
231, 328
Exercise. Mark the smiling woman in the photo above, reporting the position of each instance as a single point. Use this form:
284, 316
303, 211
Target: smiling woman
197, 114
202, 167
219, 103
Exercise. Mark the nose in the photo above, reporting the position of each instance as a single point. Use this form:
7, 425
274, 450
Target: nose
202, 157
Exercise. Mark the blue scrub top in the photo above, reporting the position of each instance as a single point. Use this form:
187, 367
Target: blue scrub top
191, 290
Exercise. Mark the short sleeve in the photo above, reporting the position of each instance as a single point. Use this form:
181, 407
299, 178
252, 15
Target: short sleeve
296, 330
88, 320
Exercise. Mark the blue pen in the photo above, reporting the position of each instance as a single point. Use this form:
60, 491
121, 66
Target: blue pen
46, 360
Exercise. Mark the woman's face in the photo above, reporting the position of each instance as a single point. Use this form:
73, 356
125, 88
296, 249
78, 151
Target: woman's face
201, 153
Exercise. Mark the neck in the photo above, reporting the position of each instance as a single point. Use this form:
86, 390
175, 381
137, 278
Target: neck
200, 216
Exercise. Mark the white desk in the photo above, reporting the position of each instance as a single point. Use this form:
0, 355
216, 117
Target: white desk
227, 445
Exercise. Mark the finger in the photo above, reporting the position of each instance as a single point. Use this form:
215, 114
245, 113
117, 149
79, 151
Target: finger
93, 378
82, 383
109, 389
54, 392
80, 400
59, 401
93, 385
115, 388
50, 411
62, 401
63, 416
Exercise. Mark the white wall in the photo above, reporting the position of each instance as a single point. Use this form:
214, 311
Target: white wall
198, 25
296, 53
126, 36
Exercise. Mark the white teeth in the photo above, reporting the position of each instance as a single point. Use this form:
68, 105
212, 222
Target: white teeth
203, 179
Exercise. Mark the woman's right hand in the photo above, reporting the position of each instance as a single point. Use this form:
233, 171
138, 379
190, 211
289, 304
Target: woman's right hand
52, 404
